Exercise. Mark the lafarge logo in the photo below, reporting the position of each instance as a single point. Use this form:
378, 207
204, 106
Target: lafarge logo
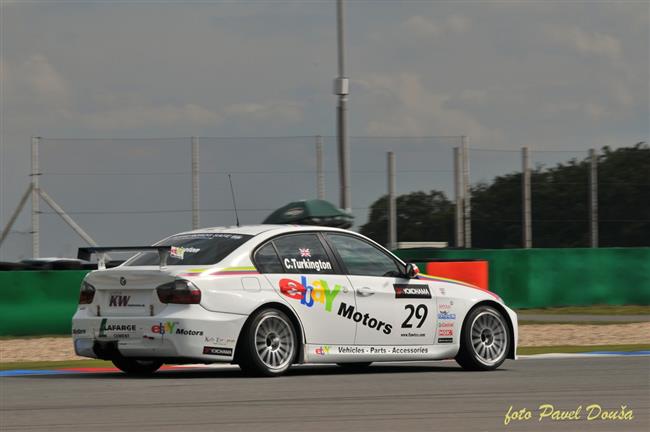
119, 301
105, 327
412, 291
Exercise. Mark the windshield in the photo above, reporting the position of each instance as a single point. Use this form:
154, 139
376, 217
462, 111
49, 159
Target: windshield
193, 249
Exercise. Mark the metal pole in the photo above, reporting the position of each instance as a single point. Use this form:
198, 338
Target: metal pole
341, 88
35, 199
392, 209
195, 182
593, 198
14, 216
458, 192
59, 210
467, 211
525, 187
320, 175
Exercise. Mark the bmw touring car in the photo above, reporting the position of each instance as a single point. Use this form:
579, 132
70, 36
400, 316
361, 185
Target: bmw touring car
266, 297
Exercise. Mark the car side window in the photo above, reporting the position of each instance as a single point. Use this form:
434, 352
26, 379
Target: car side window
303, 253
362, 258
267, 260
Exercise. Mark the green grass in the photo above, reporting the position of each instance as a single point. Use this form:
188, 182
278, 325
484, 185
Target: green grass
55, 364
524, 322
590, 310
580, 349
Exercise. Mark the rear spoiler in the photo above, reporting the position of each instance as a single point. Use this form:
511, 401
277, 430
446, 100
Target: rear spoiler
86, 252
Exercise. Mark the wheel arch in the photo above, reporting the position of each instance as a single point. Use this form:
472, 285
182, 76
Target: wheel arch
294, 320
506, 316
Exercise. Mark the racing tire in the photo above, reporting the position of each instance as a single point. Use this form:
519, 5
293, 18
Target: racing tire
132, 366
484, 340
268, 344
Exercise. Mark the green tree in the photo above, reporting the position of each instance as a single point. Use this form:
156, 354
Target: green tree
560, 206
421, 216
560, 203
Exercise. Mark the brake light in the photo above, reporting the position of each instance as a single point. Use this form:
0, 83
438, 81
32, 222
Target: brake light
179, 292
87, 293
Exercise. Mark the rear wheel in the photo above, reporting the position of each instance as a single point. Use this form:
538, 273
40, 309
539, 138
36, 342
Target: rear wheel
136, 367
485, 340
269, 344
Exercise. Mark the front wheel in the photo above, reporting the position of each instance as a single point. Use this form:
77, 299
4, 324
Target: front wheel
269, 344
485, 340
135, 366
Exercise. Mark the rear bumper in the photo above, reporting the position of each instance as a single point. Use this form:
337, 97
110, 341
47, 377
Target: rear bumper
181, 332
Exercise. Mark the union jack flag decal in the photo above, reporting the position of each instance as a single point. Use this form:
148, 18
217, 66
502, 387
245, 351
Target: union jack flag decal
305, 253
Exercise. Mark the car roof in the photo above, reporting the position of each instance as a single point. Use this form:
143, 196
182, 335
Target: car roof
258, 229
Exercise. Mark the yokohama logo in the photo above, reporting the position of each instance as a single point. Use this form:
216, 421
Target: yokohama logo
411, 291
218, 351
119, 301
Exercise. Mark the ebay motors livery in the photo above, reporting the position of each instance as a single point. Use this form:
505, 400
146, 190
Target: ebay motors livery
269, 296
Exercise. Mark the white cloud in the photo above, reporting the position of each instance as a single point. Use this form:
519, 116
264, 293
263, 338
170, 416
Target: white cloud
404, 106
35, 79
133, 117
586, 43
285, 111
458, 23
422, 26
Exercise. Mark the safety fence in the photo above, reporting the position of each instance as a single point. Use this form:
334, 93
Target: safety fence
43, 302
140, 190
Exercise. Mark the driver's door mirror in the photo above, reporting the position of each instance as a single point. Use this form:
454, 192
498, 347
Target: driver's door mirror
412, 270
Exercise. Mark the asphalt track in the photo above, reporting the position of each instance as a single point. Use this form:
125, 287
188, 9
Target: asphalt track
416, 396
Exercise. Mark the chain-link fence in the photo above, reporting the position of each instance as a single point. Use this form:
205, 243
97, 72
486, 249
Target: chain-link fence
135, 191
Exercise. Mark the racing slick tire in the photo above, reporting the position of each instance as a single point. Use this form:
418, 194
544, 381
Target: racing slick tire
132, 366
268, 344
484, 340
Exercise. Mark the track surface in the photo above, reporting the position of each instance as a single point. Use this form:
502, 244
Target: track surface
416, 396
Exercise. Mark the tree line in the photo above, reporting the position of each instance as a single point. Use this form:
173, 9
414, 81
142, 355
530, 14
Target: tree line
560, 206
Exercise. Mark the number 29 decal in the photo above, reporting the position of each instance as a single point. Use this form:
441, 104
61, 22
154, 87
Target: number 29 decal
420, 312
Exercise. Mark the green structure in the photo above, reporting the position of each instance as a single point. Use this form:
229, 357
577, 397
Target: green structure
43, 302
38, 302
527, 278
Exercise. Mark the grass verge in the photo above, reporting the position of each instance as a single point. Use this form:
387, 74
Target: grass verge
581, 349
55, 364
590, 310
524, 322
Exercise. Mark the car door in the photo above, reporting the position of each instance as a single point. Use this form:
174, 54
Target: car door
390, 309
307, 276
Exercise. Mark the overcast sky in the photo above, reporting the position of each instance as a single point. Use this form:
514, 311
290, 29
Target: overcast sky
551, 75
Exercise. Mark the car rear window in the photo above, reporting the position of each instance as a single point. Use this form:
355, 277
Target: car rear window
193, 249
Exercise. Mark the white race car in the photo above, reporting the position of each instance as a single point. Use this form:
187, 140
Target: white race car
269, 296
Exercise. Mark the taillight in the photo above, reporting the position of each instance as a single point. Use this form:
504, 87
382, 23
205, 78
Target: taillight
87, 293
179, 292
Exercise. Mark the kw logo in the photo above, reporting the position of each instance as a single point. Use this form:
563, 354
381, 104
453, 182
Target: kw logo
119, 301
